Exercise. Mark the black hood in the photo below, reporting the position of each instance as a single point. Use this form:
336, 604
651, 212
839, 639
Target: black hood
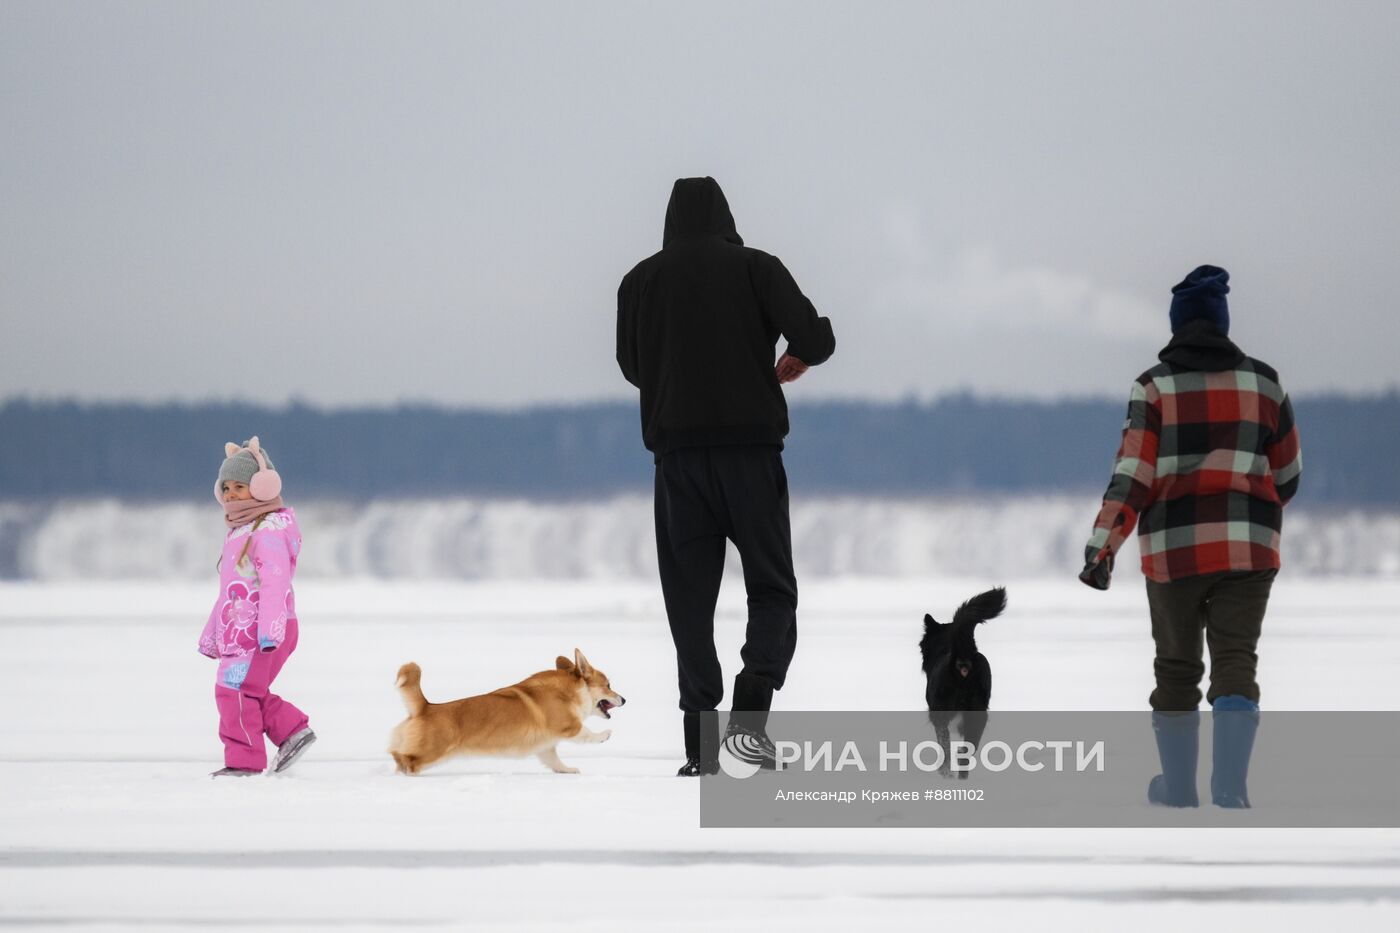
698, 208
1200, 345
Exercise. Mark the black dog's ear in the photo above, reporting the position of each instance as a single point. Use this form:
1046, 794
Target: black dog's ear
929, 621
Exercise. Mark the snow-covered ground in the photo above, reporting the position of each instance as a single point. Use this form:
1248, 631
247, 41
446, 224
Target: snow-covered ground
107, 820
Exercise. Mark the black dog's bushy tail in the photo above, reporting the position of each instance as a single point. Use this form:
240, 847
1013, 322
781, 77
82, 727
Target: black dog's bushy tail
979, 608
982, 607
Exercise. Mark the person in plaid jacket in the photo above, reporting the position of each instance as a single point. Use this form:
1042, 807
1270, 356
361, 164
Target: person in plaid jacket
1209, 458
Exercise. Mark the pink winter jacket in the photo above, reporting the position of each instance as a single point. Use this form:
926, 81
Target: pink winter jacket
255, 598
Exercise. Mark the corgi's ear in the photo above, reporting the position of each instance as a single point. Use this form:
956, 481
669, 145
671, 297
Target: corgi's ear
230, 449
584, 668
562, 663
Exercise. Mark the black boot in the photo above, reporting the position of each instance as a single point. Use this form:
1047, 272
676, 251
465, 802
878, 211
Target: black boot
701, 744
747, 737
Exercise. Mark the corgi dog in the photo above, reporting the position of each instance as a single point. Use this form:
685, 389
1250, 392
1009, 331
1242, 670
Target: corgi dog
529, 718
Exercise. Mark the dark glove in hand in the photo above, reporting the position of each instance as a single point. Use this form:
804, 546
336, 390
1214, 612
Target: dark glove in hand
1097, 574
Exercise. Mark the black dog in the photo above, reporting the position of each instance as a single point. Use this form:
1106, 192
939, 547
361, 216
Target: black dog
959, 677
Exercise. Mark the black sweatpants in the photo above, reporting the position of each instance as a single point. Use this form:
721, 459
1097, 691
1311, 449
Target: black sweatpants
1229, 609
705, 495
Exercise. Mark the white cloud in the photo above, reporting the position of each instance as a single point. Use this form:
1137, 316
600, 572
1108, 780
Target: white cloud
975, 289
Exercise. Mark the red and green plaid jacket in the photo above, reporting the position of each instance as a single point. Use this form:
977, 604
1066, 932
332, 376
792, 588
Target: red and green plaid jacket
1208, 460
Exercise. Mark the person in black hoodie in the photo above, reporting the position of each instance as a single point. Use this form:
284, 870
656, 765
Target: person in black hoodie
697, 328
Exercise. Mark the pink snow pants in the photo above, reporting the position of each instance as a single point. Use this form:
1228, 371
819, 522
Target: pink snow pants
252, 711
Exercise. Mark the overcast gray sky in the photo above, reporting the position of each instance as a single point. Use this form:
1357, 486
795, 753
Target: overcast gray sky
370, 203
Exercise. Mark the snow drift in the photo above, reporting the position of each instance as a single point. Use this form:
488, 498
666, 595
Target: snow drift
485, 539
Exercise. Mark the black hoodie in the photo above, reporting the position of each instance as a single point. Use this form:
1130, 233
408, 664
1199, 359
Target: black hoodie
1200, 345
697, 328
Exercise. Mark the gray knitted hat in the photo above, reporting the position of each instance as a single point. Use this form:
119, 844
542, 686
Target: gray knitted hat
240, 465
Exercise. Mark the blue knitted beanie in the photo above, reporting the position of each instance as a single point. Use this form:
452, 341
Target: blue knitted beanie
1201, 295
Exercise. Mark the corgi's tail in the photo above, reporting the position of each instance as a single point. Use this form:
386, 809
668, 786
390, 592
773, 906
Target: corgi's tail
980, 608
409, 684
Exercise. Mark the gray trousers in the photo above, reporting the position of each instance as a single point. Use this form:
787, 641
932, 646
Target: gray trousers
1228, 610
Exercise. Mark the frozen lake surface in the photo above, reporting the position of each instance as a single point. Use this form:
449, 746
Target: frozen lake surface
107, 819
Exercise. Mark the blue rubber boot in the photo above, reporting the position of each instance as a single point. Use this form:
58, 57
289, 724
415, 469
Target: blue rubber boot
1236, 720
1177, 743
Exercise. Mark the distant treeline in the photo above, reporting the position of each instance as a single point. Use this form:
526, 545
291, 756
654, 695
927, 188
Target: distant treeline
958, 445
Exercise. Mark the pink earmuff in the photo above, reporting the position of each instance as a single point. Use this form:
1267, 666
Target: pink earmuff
265, 485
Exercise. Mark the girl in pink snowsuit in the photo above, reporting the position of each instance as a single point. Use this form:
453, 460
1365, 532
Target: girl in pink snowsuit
252, 629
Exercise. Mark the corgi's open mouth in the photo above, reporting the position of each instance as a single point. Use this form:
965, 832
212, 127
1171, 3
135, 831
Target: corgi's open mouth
603, 707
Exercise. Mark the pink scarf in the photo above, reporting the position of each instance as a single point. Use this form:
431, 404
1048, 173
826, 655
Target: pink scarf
239, 512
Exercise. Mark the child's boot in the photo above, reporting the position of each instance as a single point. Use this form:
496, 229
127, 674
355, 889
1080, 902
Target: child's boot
292, 749
1177, 742
1236, 719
